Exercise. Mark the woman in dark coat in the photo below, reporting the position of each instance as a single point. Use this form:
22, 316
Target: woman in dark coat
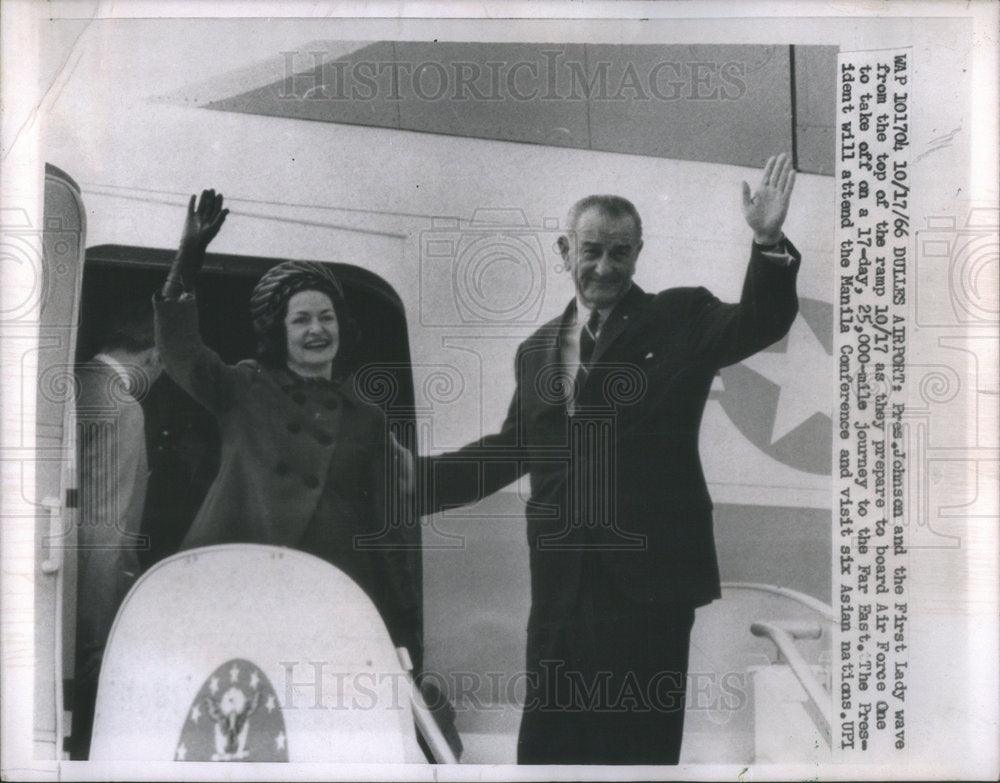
304, 460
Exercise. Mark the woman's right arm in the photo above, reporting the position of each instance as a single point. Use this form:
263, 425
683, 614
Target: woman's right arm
200, 227
187, 360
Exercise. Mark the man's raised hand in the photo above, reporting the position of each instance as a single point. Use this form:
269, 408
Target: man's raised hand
765, 209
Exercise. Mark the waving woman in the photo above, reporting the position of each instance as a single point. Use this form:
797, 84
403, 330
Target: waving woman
304, 460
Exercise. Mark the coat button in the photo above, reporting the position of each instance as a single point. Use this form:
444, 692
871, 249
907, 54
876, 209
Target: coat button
294, 426
310, 481
299, 397
324, 438
281, 468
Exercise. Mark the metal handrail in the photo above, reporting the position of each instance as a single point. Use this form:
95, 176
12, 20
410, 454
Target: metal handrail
422, 717
786, 592
784, 635
52, 566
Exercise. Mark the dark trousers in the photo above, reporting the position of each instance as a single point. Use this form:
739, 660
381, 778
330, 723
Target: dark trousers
607, 683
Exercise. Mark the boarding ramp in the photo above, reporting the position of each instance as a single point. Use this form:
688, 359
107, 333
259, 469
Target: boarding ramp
244, 652
758, 678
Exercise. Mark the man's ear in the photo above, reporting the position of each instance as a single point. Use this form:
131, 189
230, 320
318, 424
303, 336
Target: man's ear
563, 244
638, 249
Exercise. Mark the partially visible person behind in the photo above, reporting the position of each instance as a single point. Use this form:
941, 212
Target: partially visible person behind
112, 464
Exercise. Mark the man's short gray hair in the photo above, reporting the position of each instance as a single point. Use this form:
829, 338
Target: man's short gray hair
612, 206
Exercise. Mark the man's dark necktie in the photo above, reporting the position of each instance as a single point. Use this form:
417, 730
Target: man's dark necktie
588, 338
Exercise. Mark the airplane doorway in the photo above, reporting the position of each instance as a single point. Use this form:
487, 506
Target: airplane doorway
182, 439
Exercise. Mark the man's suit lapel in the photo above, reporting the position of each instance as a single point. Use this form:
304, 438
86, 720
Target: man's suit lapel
624, 319
554, 353
543, 361
554, 337
621, 320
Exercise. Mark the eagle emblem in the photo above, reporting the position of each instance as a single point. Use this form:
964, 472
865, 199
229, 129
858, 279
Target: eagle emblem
235, 716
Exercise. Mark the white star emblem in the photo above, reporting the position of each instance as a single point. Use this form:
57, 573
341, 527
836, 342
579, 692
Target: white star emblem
213, 685
254, 680
800, 373
279, 740
270, 704
181, 752
234, 673
196, 713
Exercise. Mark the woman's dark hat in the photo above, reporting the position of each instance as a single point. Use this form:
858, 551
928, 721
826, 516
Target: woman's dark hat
280, 282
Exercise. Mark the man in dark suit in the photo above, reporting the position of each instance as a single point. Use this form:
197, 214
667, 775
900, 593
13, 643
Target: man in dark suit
605, 420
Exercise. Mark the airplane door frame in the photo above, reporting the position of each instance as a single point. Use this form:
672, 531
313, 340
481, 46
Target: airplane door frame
64, 243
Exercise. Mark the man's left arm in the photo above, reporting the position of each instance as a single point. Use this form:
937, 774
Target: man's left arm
727, 333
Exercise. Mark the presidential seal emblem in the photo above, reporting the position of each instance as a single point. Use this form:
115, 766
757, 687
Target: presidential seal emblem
235, 716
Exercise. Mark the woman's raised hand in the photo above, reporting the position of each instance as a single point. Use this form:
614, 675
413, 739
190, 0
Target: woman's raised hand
202, 223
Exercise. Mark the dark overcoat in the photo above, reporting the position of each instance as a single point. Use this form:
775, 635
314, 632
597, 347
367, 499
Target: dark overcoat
286, 442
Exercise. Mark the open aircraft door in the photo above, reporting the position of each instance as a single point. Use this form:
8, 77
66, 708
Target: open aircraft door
55, 464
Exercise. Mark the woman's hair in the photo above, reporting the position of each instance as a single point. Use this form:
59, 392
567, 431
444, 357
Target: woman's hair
269, 307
